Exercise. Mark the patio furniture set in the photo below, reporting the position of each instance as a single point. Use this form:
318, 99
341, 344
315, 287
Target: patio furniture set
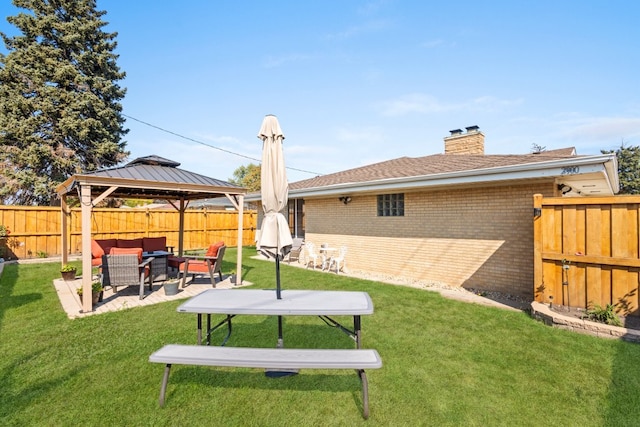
129, 262
326, 257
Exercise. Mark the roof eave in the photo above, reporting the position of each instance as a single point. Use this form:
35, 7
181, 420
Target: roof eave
549, 169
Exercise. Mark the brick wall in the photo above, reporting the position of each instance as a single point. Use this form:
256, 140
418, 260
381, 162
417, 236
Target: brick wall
480, 238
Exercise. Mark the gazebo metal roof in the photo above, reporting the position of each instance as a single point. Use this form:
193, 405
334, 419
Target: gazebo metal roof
151, 177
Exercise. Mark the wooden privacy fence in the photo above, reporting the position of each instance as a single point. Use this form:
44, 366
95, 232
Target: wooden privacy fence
586, 251
35, 231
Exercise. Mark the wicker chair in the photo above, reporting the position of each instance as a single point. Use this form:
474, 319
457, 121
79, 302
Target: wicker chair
209, 264
125, 270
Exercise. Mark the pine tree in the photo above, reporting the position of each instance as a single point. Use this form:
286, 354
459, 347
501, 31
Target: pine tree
59, 99
628, 168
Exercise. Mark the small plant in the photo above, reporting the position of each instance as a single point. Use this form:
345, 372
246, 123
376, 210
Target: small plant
67, 268
605, 315
4, 231
42, 254
95, 288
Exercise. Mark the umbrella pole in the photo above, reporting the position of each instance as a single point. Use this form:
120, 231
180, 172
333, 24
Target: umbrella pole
280, 340
278, 373
278, 295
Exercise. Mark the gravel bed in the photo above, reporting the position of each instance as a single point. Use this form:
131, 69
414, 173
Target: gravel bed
513, 300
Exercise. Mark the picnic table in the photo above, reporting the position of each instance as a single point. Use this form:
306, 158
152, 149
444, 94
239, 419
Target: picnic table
234, 302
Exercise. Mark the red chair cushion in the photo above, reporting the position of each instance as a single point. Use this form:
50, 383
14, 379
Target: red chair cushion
96, 250
107, 244
130, 243
127, 251
196, 266
213, 249
174, 261
150, 244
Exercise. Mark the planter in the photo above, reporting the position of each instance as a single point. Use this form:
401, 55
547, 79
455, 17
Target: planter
68, 275
171, 288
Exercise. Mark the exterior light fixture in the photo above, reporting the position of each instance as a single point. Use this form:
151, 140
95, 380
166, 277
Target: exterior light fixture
564, 188
345, 199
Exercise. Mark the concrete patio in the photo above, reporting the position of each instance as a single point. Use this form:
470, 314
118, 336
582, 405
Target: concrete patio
128, 297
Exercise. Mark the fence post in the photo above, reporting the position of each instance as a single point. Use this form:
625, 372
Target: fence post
538, 279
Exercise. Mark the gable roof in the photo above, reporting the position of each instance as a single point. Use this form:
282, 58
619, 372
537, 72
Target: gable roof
597, 174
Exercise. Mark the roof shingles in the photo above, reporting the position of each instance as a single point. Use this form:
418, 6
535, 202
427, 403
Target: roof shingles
405, 167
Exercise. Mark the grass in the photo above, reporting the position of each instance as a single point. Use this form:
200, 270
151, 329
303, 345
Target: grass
446, 363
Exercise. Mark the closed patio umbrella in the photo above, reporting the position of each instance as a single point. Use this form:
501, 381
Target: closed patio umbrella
274, 239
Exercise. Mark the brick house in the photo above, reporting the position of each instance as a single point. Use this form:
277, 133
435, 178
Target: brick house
461, 218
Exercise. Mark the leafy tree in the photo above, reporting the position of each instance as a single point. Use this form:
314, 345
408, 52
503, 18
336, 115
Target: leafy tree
247, 177
59, 99
628, 168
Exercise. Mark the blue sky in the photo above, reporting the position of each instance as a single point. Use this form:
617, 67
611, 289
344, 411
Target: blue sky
357, 82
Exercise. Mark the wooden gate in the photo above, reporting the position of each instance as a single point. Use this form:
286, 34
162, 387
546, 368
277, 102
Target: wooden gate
586, 251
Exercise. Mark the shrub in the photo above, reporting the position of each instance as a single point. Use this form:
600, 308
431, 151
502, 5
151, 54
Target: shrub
603, 315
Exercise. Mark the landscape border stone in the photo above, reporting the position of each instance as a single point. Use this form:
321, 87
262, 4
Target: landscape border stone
543, 313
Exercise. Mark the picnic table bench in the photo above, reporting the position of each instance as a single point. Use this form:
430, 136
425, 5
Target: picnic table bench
269, 358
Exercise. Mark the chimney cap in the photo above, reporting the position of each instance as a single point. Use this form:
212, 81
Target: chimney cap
456, 131
472, 128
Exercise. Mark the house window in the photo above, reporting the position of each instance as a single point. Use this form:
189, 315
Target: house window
391, 204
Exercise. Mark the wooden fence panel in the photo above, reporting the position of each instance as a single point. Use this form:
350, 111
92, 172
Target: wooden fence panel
599, 240
35, 231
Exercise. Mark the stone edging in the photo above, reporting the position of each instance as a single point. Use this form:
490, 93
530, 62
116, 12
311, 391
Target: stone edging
543, 313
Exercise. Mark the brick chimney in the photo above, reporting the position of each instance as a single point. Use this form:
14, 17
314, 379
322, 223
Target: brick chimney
471, 142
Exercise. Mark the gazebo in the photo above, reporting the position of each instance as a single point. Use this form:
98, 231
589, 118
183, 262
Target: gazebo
150, 177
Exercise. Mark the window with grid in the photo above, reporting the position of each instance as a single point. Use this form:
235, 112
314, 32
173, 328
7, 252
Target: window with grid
391, 204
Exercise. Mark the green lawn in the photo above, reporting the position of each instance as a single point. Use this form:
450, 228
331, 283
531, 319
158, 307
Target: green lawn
445, 363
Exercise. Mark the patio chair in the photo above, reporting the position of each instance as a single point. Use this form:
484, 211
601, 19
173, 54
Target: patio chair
125, 270
313, 256
296, 250
337, 260
209, 264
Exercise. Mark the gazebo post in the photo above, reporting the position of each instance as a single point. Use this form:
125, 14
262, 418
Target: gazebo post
240, 239
64, 231
181, 227
87, 205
